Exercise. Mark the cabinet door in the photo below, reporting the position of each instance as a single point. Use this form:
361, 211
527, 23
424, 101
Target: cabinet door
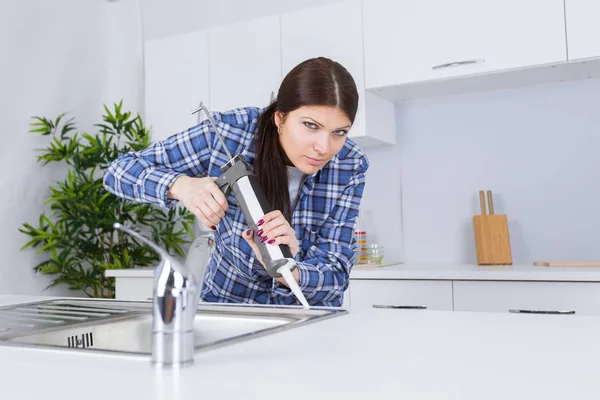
346, 302
420, 40
583, 28
433, 295
333, 31
176, 81
502, 296
245, 64
134, 289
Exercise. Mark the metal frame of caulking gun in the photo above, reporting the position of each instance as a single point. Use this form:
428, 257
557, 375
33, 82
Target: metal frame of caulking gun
238, 176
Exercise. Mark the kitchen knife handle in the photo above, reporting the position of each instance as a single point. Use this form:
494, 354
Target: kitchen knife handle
482, 202
490, 202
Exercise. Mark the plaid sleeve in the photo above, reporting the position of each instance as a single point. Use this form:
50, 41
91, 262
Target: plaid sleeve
146, 175
325, 269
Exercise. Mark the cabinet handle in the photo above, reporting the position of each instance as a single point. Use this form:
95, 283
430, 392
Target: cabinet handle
400, 307
457, 64
272, 96
514, 310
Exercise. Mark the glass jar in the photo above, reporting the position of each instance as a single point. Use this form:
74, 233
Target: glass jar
374, 254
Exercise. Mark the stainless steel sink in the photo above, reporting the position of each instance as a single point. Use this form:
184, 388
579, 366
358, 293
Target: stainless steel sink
126, 327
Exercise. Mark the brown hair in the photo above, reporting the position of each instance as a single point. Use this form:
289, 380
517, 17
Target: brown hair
316, 81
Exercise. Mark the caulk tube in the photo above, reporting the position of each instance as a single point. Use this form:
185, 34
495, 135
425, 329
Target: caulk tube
278, 260
252, 202
238, 176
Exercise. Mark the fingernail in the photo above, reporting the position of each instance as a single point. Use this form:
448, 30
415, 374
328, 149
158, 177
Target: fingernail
248, 232
271, 241
263, 239
214, 228
259, 233
259, 223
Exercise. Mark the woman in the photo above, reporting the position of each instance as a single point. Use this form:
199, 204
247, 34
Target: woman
312, 176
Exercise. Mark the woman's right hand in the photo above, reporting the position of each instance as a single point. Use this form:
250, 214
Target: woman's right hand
202, 197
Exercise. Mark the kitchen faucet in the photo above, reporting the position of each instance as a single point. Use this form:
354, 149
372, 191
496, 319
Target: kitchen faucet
175, 301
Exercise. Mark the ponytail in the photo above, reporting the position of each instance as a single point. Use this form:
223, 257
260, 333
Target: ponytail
269, 164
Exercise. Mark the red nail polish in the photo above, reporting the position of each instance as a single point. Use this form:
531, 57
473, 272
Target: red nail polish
263, 239
259, 223
271, 241
248, 232
214, 228
259, 233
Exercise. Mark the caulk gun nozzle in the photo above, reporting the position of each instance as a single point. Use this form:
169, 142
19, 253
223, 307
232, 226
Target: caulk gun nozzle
289, 278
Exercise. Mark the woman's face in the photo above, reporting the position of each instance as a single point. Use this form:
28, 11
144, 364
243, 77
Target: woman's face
312, 135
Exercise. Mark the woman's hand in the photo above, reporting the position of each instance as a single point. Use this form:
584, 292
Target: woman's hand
274, 230
202, 197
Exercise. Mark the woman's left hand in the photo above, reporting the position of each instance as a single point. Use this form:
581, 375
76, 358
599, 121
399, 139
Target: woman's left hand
274, 230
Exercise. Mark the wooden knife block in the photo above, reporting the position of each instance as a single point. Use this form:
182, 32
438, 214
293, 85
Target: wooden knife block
492, 241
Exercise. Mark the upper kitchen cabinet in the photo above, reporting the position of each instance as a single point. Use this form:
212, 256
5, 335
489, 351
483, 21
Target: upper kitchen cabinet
583, 28
412, 41
176, 81
335, 31
245, 63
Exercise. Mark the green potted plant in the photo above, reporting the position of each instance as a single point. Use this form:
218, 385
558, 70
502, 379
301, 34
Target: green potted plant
77, 233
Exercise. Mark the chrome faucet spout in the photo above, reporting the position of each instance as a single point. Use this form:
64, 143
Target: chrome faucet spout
175, 301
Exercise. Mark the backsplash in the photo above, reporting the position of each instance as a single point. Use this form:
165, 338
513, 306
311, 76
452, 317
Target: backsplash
535, 148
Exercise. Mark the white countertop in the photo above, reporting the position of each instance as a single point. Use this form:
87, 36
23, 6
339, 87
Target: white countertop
390, 354
517, 272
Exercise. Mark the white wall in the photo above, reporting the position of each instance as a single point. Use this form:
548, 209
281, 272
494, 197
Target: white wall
421, 195
124, 56
164, 18
535, 148
381, 206
54, 60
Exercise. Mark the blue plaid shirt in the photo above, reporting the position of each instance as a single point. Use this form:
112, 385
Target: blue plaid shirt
323, 218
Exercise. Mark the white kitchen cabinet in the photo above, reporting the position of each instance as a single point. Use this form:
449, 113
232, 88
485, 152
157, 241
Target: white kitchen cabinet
346, 302
414, 41
245, 63
583, 28
176, 81
134, 288
434, 295
335, 31
501, 296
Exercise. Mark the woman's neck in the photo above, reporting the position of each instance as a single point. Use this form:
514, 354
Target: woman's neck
286, 160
